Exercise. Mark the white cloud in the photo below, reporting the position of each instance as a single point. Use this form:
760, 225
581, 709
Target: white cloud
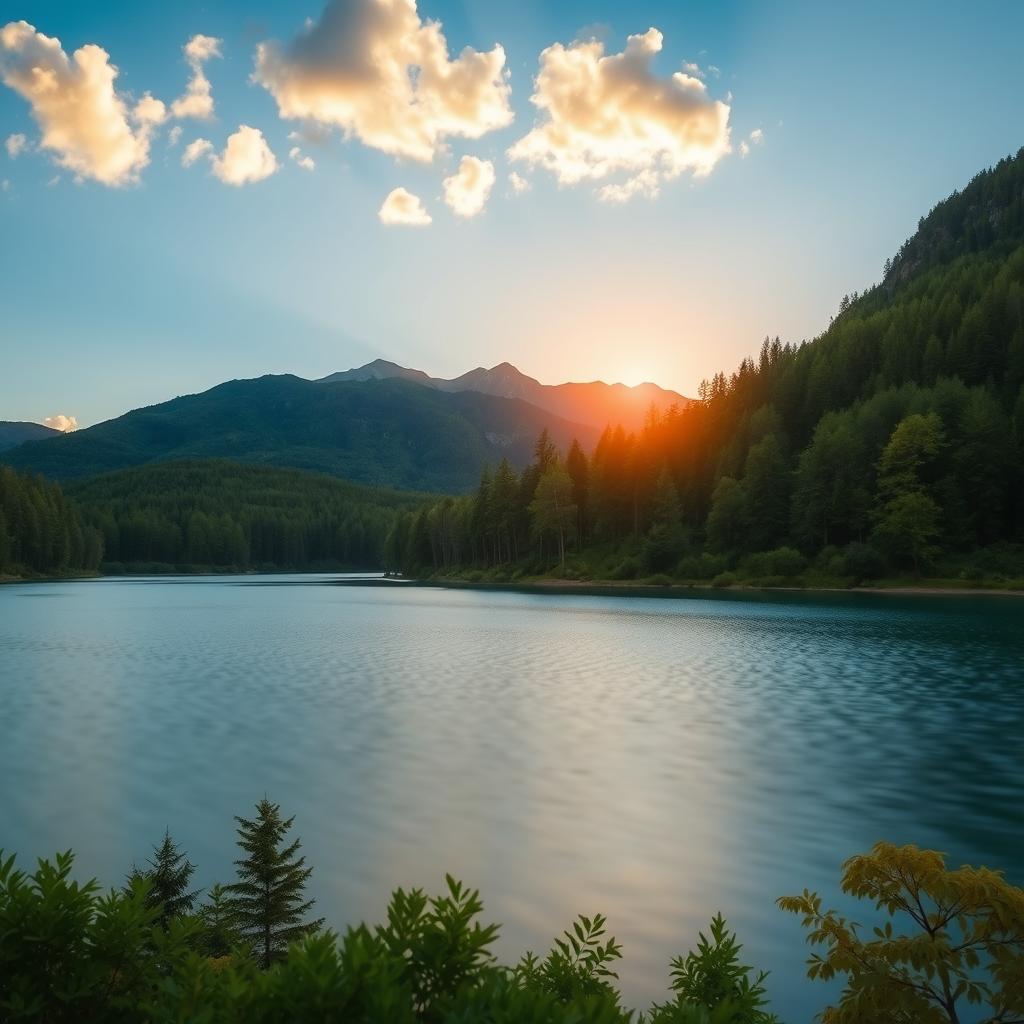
246, 158
54, 181
518, 183
83, 119
378, 72
16, 144
466, 191
174, 136
5, 185
755, 138
609, 115
61, 422
149, 111
197, 100
402, 207
307, 163
195, 150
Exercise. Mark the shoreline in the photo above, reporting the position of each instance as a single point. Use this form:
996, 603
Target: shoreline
555, 587
616, 588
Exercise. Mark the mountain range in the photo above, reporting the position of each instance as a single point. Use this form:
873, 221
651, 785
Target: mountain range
15, 432
595, 403
379, 424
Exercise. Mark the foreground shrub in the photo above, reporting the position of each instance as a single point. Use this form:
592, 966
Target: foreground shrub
71, 953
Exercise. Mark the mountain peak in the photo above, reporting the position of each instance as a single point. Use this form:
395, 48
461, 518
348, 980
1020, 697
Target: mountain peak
597, 404
380, 369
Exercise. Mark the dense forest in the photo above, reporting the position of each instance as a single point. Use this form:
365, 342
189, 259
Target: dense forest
41, 532
950, 947
891, 445
221, 514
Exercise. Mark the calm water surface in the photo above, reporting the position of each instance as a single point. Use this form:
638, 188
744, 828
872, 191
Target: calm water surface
655, 760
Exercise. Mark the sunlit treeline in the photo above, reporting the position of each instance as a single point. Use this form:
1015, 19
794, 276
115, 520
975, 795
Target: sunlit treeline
40, 530
223, 514
893, 440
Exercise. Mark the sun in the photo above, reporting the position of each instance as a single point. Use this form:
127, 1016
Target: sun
631, 376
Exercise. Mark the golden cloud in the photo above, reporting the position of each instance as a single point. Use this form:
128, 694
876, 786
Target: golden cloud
610, 116
466, 191
246, 158
84, 122
402, 207
378, 72
197, 100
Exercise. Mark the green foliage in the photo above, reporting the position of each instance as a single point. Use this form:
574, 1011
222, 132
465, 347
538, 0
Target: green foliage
40, 530
70, 953
862, 562
578, 967
167, 881
267, 902
225, 514
219, 933
553, 511
712, 978
965, 946
784, 562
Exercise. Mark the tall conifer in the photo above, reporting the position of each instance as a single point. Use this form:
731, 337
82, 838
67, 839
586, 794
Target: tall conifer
267, 901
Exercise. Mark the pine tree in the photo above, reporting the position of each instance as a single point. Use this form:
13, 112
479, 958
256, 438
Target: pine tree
168, 875
219, 934
267, 900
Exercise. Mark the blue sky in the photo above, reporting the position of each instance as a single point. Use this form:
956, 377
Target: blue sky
116, 296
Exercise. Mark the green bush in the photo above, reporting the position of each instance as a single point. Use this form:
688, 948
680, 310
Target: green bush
862, 562
704, 566
724, 579
627, 569
659, 579
71, 954
785, 562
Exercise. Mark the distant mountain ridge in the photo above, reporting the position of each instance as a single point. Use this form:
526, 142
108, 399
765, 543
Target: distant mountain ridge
15, 432
594, 403
385, 432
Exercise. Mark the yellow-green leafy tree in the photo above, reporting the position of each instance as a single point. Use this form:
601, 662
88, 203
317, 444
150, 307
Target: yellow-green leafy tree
953, 944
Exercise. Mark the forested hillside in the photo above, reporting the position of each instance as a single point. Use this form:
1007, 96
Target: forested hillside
41, 532
220, 514
391, 433
14, 432
892, 444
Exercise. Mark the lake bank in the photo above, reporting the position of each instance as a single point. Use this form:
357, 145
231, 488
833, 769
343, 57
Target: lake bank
627, 588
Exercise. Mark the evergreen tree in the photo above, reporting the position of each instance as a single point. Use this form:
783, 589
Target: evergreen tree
553, 509
578, 468
220, 934
168, 875
267, 902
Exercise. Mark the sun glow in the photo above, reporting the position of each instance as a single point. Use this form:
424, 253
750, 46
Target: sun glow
631, 376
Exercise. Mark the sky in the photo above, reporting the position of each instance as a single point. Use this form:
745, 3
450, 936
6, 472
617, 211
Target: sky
588, 189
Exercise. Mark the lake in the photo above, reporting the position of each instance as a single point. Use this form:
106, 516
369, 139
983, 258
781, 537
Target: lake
653, 759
